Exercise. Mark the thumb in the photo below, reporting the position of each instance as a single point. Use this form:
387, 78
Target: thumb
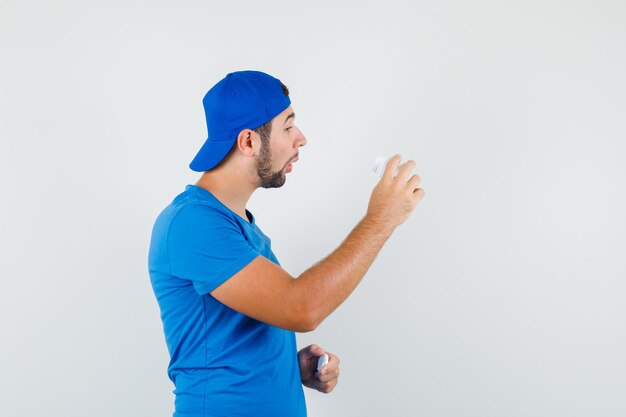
317, 350
314, 350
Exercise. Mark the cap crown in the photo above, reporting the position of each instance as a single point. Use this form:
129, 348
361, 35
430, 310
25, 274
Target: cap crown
243, 99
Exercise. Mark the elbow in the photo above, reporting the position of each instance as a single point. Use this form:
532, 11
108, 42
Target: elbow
307, 318
304, 327
307, 324
304, 309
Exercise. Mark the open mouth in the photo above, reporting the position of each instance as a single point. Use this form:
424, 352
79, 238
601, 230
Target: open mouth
289, 167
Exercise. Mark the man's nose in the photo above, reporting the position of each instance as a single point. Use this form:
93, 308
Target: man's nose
301, 139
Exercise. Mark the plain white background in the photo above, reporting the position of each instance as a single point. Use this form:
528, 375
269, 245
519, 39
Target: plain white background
502, 295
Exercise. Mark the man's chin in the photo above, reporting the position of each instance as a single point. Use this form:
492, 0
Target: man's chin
276, 181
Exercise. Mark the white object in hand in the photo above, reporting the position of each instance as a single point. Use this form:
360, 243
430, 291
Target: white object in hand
323, 360
381, 163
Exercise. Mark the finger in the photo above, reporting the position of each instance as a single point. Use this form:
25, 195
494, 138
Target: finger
333, 384
325, 387
406, 168
390, 169
330, 370
322, 386
328, 375
414, 181
333, 363
315, 350
329, 367
311, 351
418, 194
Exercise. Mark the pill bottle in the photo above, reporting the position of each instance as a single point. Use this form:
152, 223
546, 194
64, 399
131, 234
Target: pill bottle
381, 163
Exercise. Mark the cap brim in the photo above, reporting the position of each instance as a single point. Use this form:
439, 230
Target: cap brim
211, 153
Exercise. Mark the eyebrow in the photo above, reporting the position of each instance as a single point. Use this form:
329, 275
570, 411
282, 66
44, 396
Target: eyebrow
291, 116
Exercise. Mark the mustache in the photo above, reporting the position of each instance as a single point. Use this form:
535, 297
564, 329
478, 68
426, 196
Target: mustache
292, 159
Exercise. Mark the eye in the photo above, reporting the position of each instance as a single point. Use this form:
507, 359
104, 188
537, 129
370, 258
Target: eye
288, 128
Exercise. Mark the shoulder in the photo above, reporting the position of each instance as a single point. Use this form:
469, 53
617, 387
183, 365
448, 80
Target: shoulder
196, 215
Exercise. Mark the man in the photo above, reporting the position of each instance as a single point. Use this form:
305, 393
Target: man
229, 310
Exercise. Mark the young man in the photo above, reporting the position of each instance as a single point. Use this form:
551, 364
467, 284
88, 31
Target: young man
229, 310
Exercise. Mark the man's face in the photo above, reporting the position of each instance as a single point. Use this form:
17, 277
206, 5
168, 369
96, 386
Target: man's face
280, 151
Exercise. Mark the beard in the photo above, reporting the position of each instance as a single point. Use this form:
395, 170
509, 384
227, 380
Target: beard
267, 177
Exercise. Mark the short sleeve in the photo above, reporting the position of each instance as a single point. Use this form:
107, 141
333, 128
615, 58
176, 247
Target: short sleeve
207, 246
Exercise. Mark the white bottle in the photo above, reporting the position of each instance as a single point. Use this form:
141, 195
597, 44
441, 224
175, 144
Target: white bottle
323, 360
381, 163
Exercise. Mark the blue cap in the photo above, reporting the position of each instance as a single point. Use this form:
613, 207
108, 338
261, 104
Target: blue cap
242, 99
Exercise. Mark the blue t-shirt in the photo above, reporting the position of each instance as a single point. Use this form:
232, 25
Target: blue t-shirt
222, 363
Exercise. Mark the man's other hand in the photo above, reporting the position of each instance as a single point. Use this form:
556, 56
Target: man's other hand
323, 381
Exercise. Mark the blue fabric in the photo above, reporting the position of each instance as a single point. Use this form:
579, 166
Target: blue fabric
242, 99
222, 363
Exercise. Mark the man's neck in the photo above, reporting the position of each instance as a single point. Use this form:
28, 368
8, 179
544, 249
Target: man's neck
233, 191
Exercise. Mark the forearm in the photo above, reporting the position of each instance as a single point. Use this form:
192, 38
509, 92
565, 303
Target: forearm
324, 286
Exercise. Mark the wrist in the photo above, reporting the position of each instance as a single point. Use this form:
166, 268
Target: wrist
377, 224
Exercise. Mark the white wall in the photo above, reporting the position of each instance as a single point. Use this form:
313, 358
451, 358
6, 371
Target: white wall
503, 294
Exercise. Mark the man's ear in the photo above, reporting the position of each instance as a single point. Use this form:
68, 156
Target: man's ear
246, 141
